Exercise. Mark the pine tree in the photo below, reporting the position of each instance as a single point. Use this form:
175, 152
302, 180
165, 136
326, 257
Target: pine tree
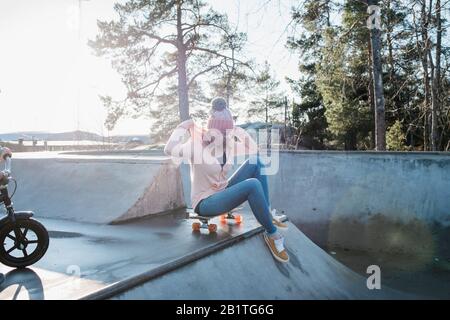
268, 100
396, 137
343, 79
308, 116
157, 42
232, 76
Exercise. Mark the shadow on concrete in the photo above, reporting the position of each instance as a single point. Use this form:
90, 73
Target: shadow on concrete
22, 282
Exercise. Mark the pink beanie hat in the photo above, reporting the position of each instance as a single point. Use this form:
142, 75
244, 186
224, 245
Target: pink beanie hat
220, 118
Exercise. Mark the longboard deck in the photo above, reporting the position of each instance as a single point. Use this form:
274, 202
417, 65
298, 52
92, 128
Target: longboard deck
193, 215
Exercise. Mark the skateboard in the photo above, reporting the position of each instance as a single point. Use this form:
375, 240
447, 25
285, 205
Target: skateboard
212, 227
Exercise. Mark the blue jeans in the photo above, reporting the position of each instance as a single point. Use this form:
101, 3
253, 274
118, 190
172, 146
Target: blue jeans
246, 184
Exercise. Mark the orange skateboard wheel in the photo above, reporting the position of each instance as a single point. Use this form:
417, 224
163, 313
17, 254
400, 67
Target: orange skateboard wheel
238, 218
196, 226
212, 227
223, 218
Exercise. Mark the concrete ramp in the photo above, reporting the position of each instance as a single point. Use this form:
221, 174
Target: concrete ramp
247, 271
97, 190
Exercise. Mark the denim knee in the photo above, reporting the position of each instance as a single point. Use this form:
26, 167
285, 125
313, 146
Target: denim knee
255, 162
254, 184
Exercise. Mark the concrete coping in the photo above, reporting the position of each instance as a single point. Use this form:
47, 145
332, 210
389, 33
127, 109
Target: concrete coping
72, 157
369, 152
372, 152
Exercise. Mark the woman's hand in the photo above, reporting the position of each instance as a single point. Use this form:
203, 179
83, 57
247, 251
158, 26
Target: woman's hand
187, 124
244, 139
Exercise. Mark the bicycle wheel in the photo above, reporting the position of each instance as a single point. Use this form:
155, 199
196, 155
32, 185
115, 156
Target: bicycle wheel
23, 243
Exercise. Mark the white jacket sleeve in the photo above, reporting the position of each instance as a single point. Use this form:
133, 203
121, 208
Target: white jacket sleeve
175, 146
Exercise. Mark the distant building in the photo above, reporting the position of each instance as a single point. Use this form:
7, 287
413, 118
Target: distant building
260, 125
135, 140
256, 126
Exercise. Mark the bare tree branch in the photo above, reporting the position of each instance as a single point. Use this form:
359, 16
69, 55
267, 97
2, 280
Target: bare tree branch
214, 52
157, 81
203, 72
155, 37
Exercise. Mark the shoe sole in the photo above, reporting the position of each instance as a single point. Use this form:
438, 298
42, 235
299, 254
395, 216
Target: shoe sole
281, 228
273, 254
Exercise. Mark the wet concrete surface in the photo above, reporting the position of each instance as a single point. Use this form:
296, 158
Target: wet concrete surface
413, 257
83, 258
411, 274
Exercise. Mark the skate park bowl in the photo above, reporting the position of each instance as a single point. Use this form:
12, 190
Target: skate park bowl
346, 211
373, 208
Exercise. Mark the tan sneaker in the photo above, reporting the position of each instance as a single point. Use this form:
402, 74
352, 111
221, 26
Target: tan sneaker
277, 248
279, 224
276, 220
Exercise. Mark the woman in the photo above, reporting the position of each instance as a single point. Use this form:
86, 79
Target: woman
210, 154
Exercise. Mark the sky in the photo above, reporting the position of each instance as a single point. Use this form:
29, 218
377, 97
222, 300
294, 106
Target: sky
50, 80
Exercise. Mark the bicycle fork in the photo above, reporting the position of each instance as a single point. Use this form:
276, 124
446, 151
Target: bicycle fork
19, 236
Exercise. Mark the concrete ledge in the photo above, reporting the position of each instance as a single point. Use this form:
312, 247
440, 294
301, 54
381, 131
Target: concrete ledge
96, 189
165, 193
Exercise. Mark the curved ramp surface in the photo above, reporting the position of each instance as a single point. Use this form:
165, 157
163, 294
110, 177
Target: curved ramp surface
248, 271
95, 189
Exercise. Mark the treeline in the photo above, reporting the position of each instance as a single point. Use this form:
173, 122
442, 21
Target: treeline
337, 105
361, 88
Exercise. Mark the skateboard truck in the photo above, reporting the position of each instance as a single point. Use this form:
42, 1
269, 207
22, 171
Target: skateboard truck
212, 227
230, 216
